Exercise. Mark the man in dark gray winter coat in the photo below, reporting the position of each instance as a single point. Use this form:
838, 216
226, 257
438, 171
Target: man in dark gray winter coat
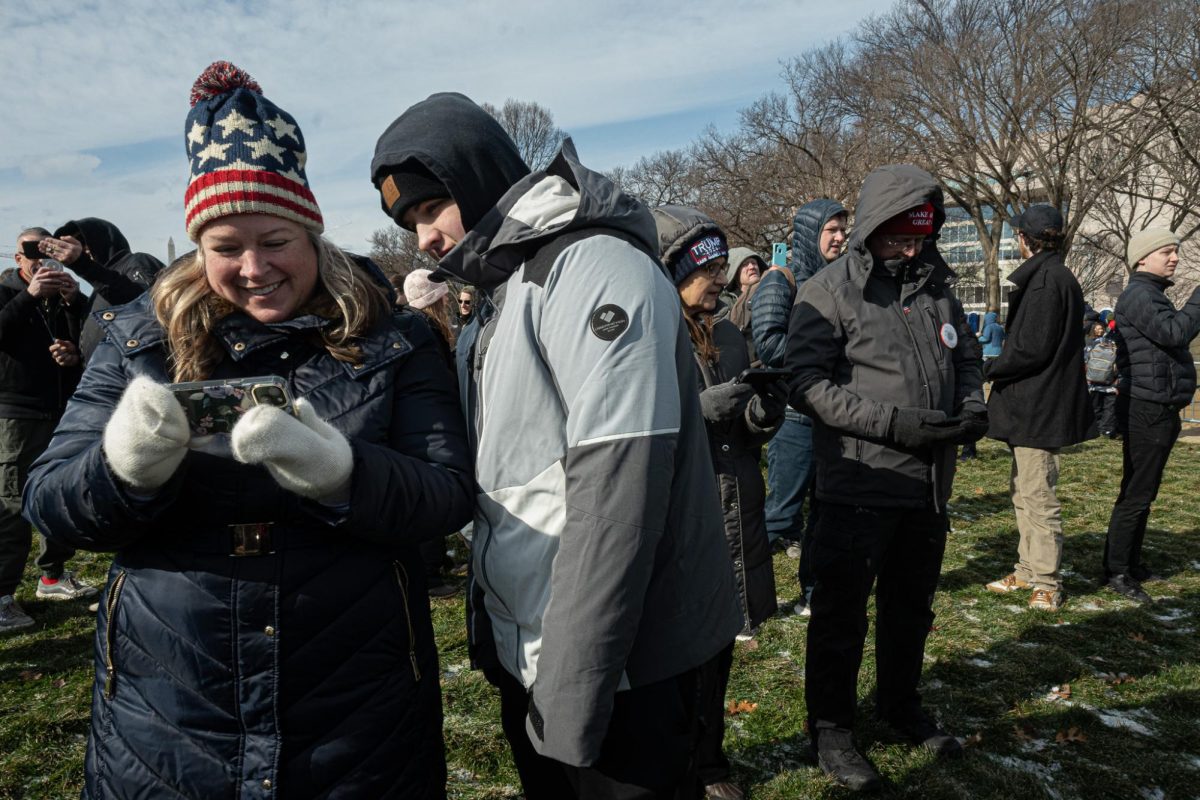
885, 364
818, 235
600, 566
1158, 378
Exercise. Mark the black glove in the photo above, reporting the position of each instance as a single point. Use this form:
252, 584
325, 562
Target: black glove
766, 408
725, 400
915, 428
974, 426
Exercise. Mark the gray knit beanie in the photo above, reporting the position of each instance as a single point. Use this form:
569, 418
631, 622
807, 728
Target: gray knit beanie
1146, 242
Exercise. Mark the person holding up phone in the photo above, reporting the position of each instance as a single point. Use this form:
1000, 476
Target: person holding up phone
41, 310
740, 418
265, 630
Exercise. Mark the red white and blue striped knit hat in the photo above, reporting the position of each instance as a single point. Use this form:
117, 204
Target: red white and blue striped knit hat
247, 154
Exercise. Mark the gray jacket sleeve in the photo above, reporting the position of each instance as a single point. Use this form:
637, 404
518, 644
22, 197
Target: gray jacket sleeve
968, 362
816, 344
621, 395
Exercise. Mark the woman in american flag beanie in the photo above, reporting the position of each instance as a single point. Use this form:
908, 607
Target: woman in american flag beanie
266, 628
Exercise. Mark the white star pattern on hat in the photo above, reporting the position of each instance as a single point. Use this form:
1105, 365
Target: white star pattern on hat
295, 176
283, 128
197, 134
264, 147
235, 121
215, 150
302, 158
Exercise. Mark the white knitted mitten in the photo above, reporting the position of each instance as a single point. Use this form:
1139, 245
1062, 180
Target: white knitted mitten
304, 454
147, 436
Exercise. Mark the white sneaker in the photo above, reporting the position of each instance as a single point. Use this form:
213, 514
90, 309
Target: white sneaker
68, 587
793, 550
804, 607
12, 616
746, 636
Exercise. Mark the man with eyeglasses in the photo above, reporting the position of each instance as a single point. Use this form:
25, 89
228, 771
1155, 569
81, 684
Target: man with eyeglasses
884, 363
1039, 401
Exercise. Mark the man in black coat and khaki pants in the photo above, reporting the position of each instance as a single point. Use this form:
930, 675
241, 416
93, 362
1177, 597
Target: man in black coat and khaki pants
1158, 378
1039, 401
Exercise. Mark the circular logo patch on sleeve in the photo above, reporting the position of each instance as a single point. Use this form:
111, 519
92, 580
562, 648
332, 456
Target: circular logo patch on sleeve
949, 336
609, 322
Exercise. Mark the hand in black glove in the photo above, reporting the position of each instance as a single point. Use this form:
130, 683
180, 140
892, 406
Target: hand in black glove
725, 400
915, 428
974, 426
766, 408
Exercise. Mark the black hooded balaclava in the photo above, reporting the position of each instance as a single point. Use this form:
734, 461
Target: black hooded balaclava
445, 139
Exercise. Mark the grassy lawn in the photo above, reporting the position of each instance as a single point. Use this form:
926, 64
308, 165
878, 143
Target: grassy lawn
1100, 700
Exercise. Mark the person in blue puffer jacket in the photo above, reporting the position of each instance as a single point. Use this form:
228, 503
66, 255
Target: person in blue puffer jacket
992, 336
265, 630
818, 235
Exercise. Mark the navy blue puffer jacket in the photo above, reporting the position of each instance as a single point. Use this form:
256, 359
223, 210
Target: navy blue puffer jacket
309, 669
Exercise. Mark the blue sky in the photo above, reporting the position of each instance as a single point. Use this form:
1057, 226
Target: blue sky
97, 93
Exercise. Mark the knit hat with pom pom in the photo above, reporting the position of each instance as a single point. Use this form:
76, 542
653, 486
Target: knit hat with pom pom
247, 154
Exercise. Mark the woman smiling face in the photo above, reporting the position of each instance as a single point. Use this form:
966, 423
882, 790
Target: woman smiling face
266, 266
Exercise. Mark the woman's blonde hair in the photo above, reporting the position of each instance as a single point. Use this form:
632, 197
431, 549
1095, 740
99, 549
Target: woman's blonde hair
188, 309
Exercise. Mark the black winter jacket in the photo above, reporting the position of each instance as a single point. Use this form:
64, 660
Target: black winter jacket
32, 385
736, 447
307, 671
1153, 358
864, 341
117, 276
1039, 394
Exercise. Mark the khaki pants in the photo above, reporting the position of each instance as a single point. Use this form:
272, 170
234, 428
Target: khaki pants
1039, 516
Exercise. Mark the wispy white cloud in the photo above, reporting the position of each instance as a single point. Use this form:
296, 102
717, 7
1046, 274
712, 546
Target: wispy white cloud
96, 80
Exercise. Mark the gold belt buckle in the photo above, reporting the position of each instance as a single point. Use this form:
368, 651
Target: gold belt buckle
252, 539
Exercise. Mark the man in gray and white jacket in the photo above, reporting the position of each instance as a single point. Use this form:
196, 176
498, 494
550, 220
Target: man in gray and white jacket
599, 554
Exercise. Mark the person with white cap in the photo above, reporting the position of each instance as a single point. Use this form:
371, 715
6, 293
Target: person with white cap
1157, 379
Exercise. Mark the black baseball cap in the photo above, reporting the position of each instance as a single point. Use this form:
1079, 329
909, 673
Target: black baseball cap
1037, 219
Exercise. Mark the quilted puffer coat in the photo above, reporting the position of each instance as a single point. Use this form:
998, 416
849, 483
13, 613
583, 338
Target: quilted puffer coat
251, 643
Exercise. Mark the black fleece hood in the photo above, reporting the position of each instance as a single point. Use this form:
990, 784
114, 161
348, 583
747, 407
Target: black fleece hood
100, 236
462, 145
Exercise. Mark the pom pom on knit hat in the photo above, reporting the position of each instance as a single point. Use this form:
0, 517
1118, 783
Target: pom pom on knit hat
247, 154
422, 292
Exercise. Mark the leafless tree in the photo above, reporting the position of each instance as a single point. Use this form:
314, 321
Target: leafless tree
531, 127
395, 251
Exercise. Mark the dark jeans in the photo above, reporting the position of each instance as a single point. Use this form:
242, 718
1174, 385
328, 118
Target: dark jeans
22, 441
714, 766
789, 464
649, 751
1104, 409
1150, 432
853, 548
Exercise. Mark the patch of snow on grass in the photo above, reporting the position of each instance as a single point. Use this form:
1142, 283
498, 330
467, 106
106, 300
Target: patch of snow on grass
1044, 774
1170, 615
1125, 720
1153, 793
983, 663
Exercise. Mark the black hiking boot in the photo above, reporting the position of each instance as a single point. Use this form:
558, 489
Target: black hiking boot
920, 730
841, 761
1127, 586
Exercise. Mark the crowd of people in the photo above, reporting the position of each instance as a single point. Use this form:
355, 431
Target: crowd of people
591, 406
